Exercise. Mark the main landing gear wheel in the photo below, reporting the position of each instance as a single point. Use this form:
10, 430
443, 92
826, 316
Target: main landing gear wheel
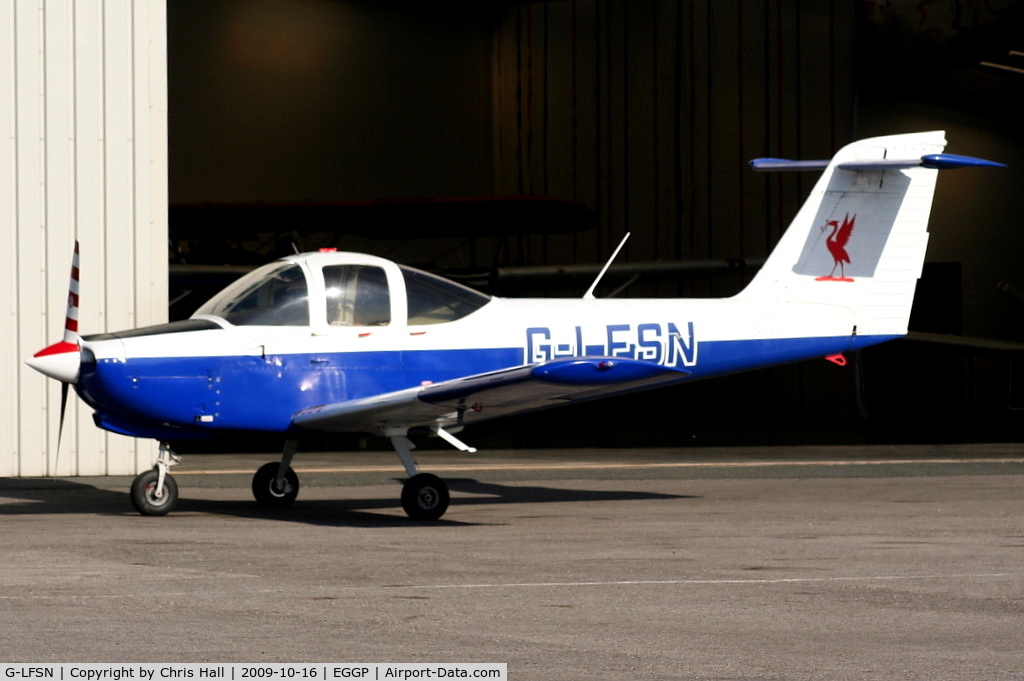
265, 489
149, 498
425, 497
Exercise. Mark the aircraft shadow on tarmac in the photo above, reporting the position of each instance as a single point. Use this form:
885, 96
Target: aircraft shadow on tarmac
38, 497
64, 496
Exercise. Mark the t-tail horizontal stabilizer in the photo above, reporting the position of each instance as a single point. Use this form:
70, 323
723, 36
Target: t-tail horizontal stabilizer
934, 161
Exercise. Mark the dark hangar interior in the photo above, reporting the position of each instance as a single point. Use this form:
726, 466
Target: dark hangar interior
499, 142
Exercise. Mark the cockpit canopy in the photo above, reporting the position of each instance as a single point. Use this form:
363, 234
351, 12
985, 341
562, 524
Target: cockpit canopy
273, 295
340, 289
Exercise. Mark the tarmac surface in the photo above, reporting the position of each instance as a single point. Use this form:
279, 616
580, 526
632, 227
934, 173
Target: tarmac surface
809, 563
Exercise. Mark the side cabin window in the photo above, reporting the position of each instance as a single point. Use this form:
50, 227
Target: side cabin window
274, 295
435, 300
357, 295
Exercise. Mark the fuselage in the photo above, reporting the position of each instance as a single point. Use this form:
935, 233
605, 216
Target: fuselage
247, 366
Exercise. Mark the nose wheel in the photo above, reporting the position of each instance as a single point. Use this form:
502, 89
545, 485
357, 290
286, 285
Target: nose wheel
154, 492
149, 497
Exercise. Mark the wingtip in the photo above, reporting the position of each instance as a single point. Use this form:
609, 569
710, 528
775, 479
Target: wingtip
951, 161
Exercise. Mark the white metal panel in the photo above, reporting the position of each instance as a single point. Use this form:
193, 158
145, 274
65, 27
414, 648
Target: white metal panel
91, 444
119, 189
31, 218
84, 155
150, 73
60, 208
10, 360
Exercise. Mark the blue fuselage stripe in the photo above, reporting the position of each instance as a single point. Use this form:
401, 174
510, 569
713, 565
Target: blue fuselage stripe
261, 393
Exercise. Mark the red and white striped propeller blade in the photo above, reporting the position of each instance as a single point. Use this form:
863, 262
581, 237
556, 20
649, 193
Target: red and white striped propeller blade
63, 359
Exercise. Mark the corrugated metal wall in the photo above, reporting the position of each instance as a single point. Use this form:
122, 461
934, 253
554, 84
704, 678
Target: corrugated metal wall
83, 154
649, 111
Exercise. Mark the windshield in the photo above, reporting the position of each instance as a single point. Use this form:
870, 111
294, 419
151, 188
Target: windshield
273, 295
435, 300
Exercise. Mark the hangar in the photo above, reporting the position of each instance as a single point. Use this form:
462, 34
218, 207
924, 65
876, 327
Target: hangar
83, 138
117, 111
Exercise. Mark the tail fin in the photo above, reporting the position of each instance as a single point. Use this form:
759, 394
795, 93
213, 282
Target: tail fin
859, 240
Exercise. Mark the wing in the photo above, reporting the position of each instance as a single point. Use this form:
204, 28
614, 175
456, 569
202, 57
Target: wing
489, 395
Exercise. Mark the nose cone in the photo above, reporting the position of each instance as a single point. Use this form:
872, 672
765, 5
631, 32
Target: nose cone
60, 360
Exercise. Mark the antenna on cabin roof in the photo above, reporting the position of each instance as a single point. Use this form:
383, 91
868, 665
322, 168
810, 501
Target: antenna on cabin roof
590, 291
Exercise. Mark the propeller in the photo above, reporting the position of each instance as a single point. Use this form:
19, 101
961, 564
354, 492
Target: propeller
63, 359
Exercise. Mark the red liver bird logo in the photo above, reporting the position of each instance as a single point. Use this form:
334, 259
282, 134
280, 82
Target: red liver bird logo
836, 243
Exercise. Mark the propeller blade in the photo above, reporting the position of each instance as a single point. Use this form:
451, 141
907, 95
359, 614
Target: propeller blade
71, 338
71, 318
60, 425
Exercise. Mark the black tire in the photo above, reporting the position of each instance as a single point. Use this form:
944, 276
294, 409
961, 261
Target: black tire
266, 494
145, 497
425, 497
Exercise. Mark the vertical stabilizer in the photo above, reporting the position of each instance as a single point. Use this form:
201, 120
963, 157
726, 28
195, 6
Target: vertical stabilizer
859, 240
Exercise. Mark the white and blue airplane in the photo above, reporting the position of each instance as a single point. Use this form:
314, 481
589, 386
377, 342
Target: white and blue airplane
352, 343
